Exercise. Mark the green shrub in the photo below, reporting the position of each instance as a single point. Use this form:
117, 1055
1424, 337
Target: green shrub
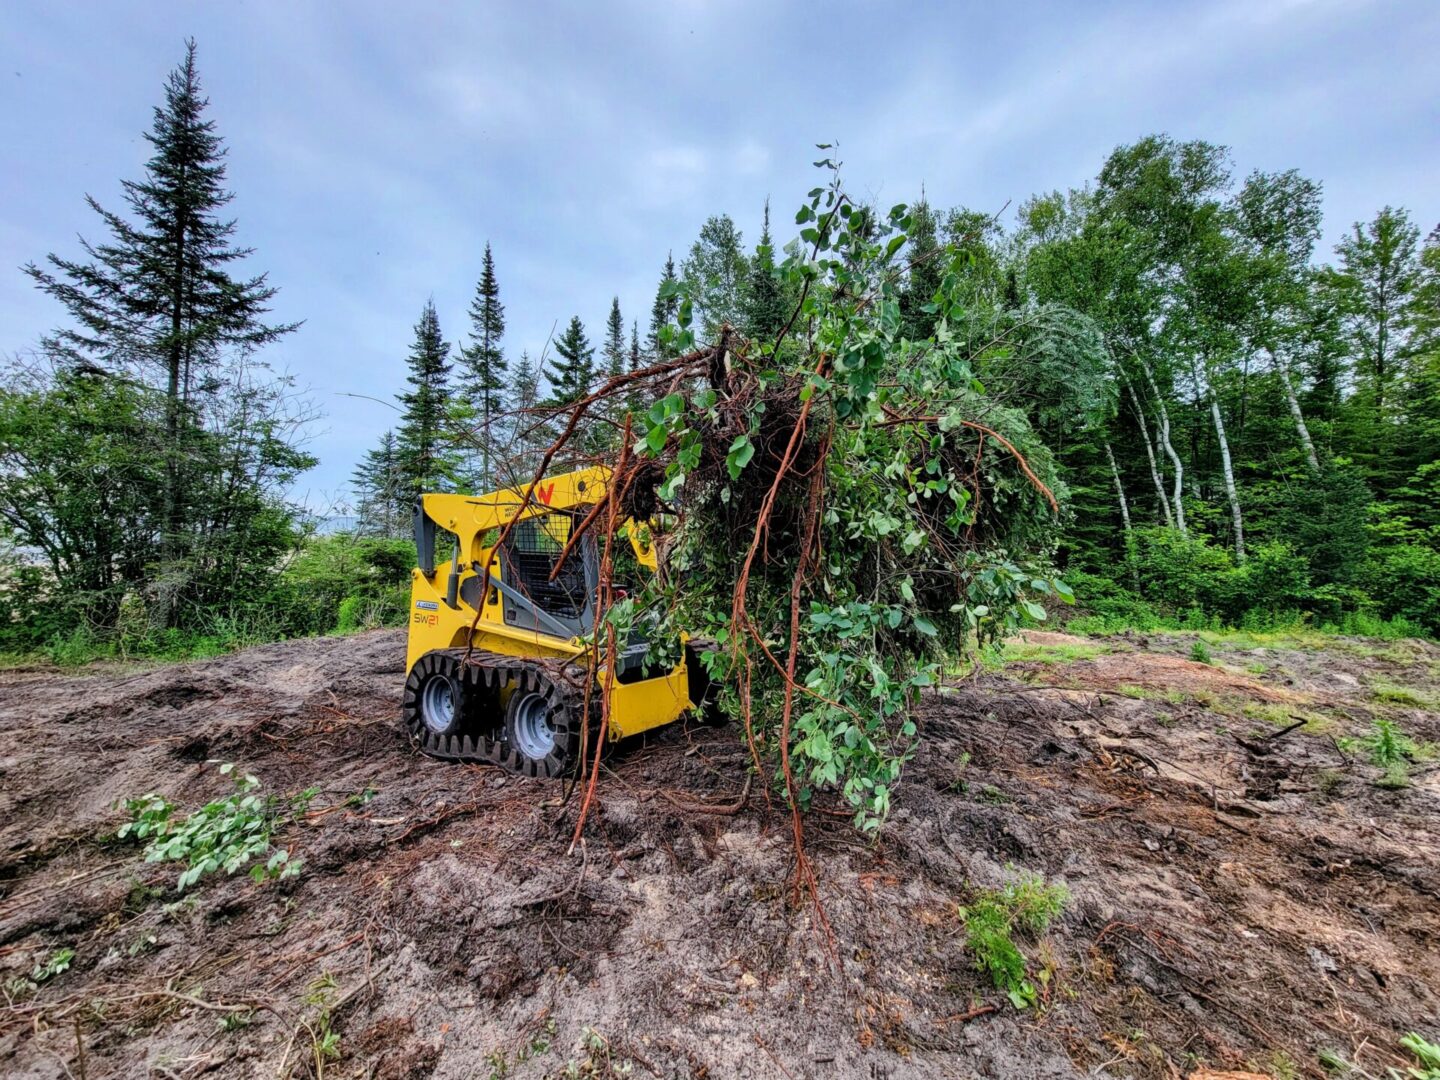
1406, 580
226, 834
1200, 652
348, 619
1026, 904
1179, 573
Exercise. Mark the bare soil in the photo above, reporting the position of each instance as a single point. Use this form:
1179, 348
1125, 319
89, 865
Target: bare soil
1242, 899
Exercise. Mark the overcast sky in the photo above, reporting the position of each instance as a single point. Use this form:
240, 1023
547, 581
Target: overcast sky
376, 147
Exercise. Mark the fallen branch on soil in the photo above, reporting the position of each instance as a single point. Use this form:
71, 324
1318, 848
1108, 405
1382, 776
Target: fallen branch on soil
960, 1018
725, 809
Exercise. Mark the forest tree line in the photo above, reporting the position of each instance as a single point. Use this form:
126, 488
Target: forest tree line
1246, 432
1244, 428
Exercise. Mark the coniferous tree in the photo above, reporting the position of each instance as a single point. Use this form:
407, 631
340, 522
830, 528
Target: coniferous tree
159, 301
574, 371
381, 496
525, 396
715, 274
614, 349
483, 359
662, 314
426, 460
633, 400
526, 383
926, 271
766, 307
159, 295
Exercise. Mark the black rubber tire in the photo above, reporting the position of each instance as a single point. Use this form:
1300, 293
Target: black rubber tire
564, 718
428, 670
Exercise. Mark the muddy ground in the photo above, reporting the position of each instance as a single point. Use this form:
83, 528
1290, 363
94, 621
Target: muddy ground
1241, 899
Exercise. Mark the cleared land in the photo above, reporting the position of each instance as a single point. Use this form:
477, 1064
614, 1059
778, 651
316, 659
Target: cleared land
1242, 898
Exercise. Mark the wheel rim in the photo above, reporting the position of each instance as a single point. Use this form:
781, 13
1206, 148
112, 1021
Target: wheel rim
531, 730
437, 704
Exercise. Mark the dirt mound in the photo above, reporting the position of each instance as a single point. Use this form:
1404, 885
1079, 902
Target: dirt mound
1238, 903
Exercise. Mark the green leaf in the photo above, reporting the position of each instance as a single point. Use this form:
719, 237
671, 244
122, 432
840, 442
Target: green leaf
656, 438
741, 451
925, 626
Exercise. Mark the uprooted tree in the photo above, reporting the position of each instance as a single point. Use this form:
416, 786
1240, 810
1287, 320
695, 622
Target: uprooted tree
846, 508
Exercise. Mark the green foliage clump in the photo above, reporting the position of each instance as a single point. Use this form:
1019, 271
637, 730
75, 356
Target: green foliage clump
1200, 652
1428, 1055
226, 834
1389, 749
912, 519
1027, 905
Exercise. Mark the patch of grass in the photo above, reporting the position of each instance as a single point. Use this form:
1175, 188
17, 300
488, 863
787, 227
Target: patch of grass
596, 1059
1027, 905
1281, 1066
1139, 693
1388, 693
1390, 749
1427, 1057
1427, 1053
226, 834
1282, 716
961, 764
1327, 782
1200, 652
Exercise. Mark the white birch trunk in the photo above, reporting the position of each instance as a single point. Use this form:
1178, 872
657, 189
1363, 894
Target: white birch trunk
1226, 469
1155, 473
1179, 499
1283, 366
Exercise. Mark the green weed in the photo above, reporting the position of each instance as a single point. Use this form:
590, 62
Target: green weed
56, 964
1390, 749
1027, 905
226, 834
1428, 1055
1200, 652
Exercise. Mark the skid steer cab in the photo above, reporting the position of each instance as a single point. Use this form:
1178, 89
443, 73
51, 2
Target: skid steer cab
500, 675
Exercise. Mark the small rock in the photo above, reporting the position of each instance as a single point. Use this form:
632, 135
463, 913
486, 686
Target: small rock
1323, 961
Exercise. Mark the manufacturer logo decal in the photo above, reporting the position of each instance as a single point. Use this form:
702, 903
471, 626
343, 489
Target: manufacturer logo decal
546, 492
427, 605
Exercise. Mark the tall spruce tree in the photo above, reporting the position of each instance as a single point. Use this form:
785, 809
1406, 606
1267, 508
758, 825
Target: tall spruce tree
716, 273
426, 458
766, 309
574, 371
663, 313
381, 492
159, 296
613, 353
483, 360
614, 347
927, 268
525, 396
526, 383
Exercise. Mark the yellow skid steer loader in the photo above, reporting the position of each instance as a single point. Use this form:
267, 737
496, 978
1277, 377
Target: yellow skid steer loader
511, 690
